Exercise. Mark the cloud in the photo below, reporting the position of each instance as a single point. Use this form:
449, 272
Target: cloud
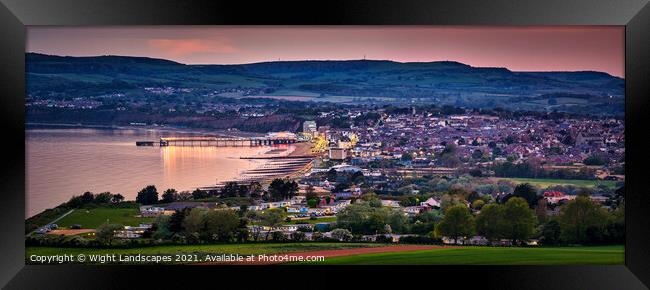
183, 47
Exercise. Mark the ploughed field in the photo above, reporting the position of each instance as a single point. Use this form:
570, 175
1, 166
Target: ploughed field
596, 255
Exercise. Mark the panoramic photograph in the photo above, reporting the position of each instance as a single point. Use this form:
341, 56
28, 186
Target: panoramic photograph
325, 145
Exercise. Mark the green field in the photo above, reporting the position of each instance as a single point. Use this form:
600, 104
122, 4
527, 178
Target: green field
597, 255
310, 221
542, 182
242, 249
489, 256
93, 218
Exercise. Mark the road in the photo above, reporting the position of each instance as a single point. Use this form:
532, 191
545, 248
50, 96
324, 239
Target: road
54, 221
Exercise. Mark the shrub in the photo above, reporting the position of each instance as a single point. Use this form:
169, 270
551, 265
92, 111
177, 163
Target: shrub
298, 236
278, 236
418, 240
342, 235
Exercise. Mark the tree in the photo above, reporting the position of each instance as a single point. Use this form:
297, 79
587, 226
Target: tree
458, 222
578, 215
277, 189
230, 189
298, 236
361, 218
478, 204
199, 194
74, 202
368, 196
375, 202
104, 197
476, 172
291, 189
148, 195
551, 232
477, 154
310, 193
448, 201
396, 221
519, 220
357, 177
540, 210
169, 196
255, 189
106, 233
162, 227
448, 156
342, 235
272, 218
87, 197
242, 229
221, 225
176, 220
490, 222
185, 195
117, 198
194, 222
332, 174
594, 160
527, 192
278, 236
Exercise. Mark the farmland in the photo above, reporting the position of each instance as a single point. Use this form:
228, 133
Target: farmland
600, 255
543, 182
242, 249
93, 218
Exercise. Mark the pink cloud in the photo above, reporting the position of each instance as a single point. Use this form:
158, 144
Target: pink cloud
183, 47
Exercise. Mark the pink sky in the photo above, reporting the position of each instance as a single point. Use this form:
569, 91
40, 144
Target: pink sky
528, 48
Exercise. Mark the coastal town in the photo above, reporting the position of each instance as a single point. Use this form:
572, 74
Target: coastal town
414, 166
271, 148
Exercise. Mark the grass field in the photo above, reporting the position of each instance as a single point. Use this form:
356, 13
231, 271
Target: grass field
93, 218
541, 182
489, 256
599, 255
310, 221
242, 249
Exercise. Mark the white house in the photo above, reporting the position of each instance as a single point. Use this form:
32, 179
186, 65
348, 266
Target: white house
412, 209
430, 203
129, 232
151, 211
390, 203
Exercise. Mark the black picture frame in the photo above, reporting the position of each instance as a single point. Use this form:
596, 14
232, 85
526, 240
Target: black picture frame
15, 15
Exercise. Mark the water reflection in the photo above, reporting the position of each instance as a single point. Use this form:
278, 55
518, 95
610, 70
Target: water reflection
65, 162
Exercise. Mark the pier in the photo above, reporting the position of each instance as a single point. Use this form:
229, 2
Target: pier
225, 141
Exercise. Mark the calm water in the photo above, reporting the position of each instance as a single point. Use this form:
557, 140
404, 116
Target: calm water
66, 162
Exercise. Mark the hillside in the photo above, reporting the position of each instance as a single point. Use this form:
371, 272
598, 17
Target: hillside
357, 81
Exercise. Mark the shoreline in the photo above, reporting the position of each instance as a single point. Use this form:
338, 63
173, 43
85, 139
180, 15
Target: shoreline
275, 167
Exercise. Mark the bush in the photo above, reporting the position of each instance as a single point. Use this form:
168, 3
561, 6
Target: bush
298, 236
278, 237
419, 240
342, 235
383, 239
